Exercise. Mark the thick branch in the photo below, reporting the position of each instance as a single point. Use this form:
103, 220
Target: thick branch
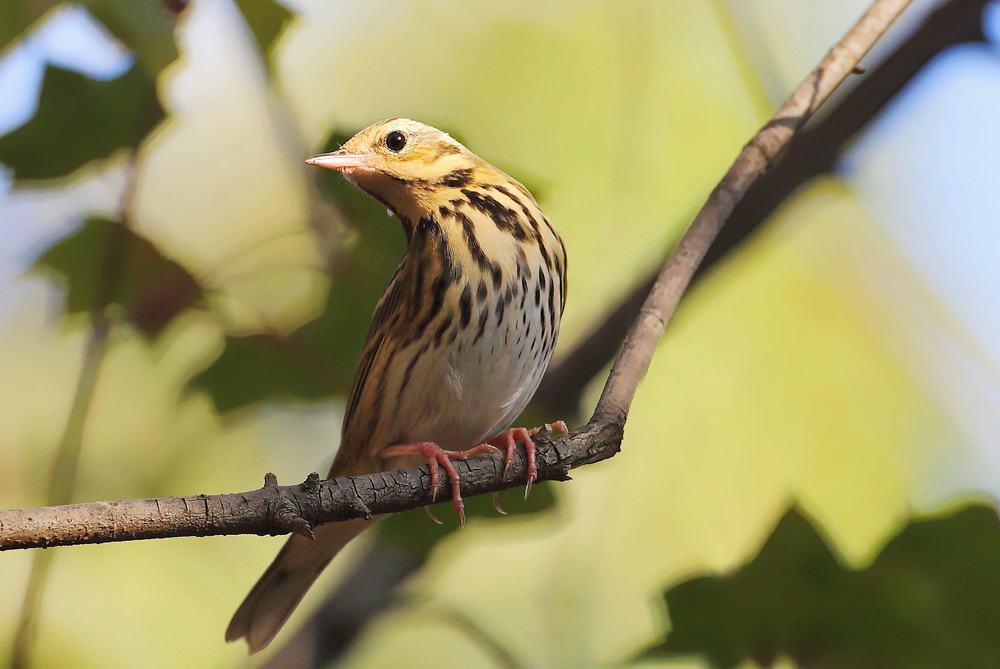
279, 510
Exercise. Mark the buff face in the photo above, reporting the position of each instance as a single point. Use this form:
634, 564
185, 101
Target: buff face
402, 163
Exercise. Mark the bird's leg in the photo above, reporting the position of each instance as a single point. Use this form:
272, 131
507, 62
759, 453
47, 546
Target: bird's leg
439, 457
508, 440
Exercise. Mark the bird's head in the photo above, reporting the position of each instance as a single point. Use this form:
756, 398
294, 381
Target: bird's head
408, 166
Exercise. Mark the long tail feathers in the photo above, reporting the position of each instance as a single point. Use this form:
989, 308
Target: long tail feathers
286, 581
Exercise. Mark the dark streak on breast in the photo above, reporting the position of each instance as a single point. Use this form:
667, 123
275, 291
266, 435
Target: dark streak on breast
484, 315
409, 367
475, 249
552, 307
442, 329
418, 289
501, 306
457, 178
465, 306
535, 230
438, 289
505, 219
428, 235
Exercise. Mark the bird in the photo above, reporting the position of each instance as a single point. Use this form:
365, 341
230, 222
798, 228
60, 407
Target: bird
457, 344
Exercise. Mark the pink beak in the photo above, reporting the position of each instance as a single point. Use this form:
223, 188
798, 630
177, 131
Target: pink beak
338, 160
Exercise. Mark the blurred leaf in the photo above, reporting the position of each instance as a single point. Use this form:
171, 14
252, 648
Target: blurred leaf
266, 19
80, 119
106, 262
928, 600
261, 367
145, 28
17, 16
318, 360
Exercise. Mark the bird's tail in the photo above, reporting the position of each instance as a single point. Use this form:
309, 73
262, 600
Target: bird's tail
281, 588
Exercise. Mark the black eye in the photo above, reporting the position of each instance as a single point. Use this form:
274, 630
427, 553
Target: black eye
395, 141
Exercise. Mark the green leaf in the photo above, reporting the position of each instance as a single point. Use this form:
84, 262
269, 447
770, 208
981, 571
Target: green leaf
318, 360
266, 19
145, 28
267, 367
16, 17
80, 119
927, 601
106, 263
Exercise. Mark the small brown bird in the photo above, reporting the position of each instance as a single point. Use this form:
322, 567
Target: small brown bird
457, 344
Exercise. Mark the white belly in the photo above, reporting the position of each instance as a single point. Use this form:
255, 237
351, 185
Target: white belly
497, 376
469, 389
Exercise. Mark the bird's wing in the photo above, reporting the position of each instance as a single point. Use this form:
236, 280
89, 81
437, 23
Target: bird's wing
377, 345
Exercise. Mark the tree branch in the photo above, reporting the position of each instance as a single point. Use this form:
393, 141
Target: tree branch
278, 510
757, 155
813, 152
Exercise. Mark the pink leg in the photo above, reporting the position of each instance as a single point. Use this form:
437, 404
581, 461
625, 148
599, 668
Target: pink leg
508, 440
438, 457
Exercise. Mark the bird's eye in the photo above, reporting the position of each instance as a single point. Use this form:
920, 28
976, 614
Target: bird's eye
395, 141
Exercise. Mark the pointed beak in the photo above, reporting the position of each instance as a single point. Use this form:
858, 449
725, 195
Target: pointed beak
338, 160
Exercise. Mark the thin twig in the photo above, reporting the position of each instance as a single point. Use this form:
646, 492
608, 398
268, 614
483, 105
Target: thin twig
62, 483
279, 510
66, 462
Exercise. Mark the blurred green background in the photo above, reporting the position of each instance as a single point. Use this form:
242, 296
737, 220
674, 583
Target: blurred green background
809, 469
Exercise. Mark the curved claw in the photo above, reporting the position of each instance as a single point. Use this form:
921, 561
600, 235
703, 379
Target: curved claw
496, 504
509, 438
487, 448
432, 462
438, 457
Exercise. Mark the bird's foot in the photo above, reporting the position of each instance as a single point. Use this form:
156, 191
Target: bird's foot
508, 440
438, 457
